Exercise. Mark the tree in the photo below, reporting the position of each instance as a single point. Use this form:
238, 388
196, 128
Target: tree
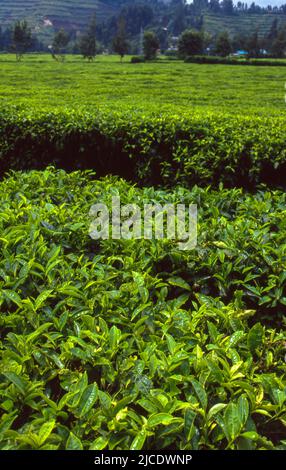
179, 15
190, 43
278, 47
253, 45
21, 38
273, 33
227, 7
120, 43
239, 41
223, 44
151, 45
214, 6
60, 42
88, 41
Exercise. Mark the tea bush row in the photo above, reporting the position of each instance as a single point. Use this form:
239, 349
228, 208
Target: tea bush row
151, 148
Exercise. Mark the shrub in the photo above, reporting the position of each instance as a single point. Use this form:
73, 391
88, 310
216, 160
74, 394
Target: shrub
190, 148
201, 59
137, 60
104, 345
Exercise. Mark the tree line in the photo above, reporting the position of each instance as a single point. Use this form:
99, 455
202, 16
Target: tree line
272, 44
173, 17
190, 42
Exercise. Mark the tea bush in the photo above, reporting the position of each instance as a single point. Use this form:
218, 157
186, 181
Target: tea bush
134, 344
162, 149
161, 123
265, 62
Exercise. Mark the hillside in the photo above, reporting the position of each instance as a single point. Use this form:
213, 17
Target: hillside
241, 23
69, 13
46, 16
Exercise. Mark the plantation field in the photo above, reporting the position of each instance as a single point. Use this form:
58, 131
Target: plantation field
41, 82
241, 24
135, 344
160, 123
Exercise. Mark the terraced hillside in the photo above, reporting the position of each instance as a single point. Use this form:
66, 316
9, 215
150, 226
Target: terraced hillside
68, 13
242, 24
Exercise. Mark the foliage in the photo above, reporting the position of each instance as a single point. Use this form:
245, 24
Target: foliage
21, 38
190, 43
278, 46
153, 130
88, 41
190, 148
151, 45
203, 59
137, 59
104, 345
147, 88
60, 42
223, 45
120, 43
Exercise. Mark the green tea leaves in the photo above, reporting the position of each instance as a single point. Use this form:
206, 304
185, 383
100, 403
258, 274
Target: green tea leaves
73, 443
201, 393
138, 442
255, 337
124, 344
159, 419
87, 400
232, 420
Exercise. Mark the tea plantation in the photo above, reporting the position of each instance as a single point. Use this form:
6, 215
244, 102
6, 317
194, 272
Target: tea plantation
135, 344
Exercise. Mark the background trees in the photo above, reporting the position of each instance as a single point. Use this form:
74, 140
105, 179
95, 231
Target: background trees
278, 46
21, 38
223, 45
151, 45
60, 42
120, 43
87, 44
190, 43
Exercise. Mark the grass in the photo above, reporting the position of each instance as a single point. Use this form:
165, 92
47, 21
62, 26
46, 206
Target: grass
39, 81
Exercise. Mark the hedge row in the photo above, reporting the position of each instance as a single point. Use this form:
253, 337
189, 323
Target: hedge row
192, 148
234, 61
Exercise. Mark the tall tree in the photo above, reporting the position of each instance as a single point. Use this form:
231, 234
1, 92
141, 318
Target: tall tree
253, 45
21, 38
190, 43
60, 42
278, 47
223, 44
227, 7
214, 6
88, 41
273, 33
120, 44
151, 45
179, 15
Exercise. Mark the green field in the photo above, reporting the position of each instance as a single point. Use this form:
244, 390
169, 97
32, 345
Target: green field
38, 81
136, 344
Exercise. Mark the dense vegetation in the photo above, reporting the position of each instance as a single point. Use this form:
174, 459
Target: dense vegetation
136, 344
125, 345
167, 18
203, 118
